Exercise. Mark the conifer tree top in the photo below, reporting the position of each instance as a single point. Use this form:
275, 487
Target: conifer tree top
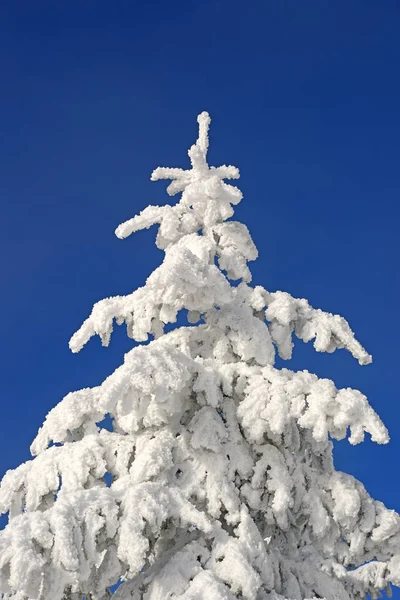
206, 202
203, 189
216, 480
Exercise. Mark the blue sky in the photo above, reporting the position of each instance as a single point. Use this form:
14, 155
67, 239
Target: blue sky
304, 98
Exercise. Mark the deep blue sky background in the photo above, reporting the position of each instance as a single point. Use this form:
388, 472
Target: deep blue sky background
304, 97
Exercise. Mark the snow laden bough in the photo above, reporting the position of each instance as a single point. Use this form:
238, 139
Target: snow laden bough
216, 481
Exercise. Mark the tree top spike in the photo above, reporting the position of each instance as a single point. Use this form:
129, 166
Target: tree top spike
204, 121
182, 178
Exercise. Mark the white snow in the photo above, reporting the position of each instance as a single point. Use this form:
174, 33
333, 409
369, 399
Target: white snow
217, 481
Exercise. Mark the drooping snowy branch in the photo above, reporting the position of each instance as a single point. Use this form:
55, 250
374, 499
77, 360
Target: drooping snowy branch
288, 315
186, 279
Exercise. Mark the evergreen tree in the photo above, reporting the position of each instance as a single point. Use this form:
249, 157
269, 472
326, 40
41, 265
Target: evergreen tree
222, 479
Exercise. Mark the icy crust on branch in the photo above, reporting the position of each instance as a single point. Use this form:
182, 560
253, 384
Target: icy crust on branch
224, 455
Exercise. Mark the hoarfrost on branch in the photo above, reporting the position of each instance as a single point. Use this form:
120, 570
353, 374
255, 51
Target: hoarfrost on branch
217, 480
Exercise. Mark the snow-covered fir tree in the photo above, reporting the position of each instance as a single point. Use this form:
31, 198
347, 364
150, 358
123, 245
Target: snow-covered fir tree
222, 479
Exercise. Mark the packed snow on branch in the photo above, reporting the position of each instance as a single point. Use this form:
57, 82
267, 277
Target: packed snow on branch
216, 481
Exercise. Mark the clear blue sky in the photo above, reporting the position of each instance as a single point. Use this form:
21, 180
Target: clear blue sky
305, 99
